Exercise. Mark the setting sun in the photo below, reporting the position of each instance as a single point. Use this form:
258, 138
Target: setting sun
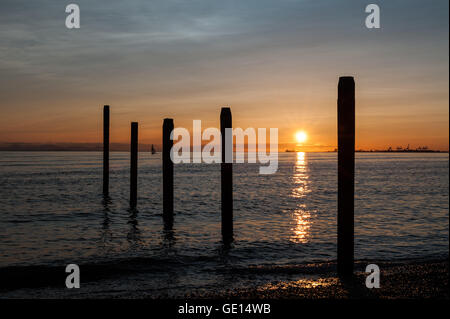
300, 136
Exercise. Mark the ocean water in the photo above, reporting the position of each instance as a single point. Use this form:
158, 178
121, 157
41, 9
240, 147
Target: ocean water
52, 213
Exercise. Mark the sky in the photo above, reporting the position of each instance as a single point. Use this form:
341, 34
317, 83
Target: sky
275, 63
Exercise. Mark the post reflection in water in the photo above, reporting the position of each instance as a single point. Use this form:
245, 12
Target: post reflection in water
301, 222
105, 231
134, 235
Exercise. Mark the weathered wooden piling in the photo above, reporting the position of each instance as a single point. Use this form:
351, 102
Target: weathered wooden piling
106, 150
167, 173
226, 176
346, 175
133, 164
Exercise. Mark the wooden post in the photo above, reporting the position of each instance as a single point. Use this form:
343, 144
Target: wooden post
226, 176
106, 150
167, 173
346, 175
133, 164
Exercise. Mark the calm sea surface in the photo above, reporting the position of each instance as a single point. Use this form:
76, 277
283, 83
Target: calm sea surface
52, 213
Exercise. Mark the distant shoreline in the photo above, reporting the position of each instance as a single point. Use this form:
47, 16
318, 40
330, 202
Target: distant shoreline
158, 151
147, 147
404, 151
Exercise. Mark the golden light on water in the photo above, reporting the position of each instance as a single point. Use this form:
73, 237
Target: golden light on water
301, 226
300, 176
301, 216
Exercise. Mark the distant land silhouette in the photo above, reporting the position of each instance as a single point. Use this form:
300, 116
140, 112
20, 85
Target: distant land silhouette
147, 147
76, 147
399, 149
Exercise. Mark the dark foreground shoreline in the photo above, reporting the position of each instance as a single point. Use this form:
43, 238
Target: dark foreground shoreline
408, 279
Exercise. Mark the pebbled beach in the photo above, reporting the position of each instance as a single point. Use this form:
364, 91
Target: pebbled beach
408, 279
398, 280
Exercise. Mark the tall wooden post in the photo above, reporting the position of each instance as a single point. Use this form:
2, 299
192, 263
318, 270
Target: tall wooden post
167, 173
346, 175
226, 175
106, 150
133, 164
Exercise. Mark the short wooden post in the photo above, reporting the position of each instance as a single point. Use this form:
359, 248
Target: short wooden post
346, 175
226, 176
106, 150
133, 164
167, 173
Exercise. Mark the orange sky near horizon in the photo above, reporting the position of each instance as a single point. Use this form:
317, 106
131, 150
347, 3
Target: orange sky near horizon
275, 65
377, 127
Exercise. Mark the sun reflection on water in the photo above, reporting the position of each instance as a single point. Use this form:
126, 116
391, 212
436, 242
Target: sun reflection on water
301, 216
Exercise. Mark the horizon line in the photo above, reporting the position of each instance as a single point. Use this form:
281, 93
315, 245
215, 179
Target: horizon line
146, 147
